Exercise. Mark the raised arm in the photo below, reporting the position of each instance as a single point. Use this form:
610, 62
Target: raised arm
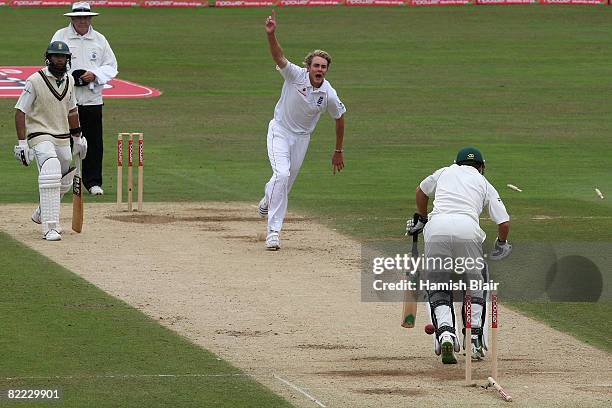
275, 48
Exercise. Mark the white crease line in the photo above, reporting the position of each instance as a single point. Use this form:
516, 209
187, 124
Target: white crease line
68, 377
560, 372
298, 389
594, 385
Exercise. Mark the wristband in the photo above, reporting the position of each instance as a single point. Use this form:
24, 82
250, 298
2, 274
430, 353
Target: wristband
75, 131
339, 150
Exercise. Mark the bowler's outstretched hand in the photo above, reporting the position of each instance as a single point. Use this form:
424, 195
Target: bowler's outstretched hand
271, 23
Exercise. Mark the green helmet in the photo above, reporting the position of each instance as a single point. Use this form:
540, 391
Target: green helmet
58, 47
469, 155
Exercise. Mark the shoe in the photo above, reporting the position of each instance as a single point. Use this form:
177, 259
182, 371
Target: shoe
477, 349
36, 219
52, 235
262, 208
447, 346
36, 215
273, 241
96, 190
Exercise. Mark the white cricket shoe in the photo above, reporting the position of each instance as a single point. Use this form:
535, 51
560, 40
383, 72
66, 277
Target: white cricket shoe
96, 190
262, 208
447, 346
478, 352
52, 235
36, 219
36, 215
273, 241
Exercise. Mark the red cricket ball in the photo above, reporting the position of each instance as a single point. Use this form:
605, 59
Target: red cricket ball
430, 329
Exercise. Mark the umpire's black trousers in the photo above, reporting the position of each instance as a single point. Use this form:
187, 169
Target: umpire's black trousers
91, 124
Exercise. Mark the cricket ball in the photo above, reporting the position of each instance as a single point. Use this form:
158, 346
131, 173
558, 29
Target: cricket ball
430, 329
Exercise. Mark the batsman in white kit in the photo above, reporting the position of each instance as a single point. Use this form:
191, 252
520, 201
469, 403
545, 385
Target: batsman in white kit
305, 95
452, 231
45, 118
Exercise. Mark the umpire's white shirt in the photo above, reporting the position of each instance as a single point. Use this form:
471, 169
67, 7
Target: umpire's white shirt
463, 190
300, 105
90, 52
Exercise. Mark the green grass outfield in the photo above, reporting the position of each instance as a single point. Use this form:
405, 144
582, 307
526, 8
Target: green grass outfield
529, 85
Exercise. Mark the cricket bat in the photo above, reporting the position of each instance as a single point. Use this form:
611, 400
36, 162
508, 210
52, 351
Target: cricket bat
77, 198
410, 297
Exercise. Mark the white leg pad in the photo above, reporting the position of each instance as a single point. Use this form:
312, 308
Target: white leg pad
49, 184
444, 318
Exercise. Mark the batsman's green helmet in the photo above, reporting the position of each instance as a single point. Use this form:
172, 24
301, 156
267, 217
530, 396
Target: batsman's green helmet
57, 47
469, 154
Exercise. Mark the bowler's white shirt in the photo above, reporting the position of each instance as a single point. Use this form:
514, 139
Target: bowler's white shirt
300, 105
90, 52
463, 190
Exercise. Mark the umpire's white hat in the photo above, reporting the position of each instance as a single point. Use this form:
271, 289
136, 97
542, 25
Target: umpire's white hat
81, 9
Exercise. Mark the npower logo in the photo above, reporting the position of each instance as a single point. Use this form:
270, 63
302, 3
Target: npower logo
171, 3
244, 3
506, 1
27, 3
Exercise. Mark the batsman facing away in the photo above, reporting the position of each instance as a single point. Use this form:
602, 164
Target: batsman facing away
45, 118
453, 231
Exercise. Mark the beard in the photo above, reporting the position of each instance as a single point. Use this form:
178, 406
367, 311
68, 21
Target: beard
57, 70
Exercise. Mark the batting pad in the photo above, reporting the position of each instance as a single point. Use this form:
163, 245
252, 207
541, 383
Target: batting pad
49, 183
67, 181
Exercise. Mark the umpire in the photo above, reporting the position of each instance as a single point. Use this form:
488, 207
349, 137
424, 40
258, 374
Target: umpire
93, 65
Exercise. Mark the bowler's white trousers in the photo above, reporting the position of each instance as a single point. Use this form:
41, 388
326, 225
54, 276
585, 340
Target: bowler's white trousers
286, 151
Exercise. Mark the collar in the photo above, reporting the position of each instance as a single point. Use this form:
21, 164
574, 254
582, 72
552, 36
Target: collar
74, 34
311, 86
317, 90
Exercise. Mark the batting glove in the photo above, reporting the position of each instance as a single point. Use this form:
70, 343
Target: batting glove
416, 224
23, 153
501, 250
79, 147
